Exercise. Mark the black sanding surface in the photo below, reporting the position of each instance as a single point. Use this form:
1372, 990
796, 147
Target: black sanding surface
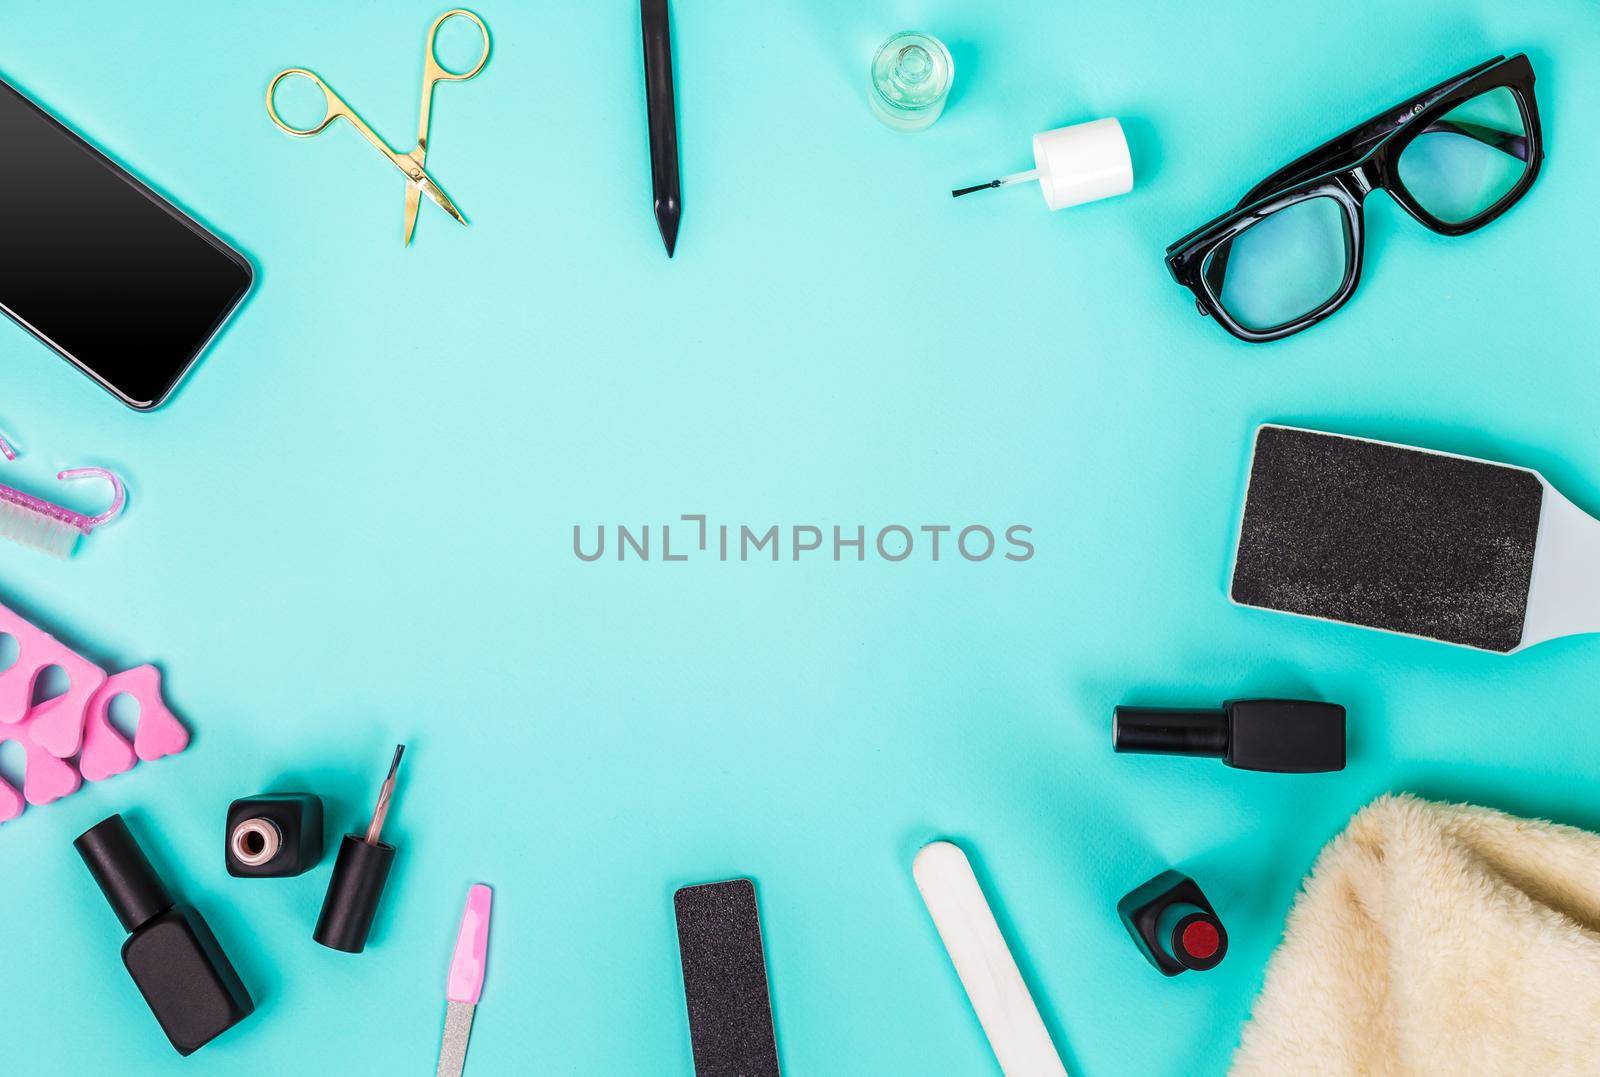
1388, 537
725, 980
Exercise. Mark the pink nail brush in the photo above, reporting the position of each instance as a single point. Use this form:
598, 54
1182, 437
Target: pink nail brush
465, 985
51, 528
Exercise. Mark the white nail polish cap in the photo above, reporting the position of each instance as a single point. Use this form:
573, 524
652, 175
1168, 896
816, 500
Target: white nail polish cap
1082, 163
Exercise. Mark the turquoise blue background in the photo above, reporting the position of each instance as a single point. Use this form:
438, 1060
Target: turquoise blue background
353, 525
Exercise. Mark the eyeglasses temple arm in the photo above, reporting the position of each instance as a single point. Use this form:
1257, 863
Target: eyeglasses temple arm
1506, 142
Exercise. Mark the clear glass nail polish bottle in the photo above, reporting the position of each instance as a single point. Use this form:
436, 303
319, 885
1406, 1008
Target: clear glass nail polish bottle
911, 77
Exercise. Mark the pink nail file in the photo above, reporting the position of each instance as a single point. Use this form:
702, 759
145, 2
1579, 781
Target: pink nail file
465, 985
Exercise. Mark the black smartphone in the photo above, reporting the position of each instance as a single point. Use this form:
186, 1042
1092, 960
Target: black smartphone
101, 268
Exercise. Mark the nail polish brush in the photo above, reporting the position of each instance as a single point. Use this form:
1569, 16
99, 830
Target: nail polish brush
359, 872
1073, 165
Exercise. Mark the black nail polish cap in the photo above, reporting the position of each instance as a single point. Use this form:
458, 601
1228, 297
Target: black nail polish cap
136, 893
1288, 736
359, 872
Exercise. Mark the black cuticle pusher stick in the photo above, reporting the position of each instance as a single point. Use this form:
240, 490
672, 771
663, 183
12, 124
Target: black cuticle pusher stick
663, 119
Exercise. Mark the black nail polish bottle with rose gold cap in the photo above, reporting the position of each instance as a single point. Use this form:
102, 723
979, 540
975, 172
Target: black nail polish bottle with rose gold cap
1174, 925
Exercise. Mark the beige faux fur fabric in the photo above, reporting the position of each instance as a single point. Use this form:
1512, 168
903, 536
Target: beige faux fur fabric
1437, 939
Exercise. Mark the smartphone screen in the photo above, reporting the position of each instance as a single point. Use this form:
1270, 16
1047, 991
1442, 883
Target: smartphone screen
100, 267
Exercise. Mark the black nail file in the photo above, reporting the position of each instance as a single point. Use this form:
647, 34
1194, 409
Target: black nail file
725, 980
1410, 540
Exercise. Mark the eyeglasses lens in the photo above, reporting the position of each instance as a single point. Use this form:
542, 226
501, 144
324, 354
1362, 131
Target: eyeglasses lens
1466, 162
1283, 267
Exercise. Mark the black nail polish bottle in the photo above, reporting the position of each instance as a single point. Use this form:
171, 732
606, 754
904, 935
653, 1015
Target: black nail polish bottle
1173, 924
1290, 736
174, 959
274, 835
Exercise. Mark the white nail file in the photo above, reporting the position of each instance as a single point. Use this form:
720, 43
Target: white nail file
967, 927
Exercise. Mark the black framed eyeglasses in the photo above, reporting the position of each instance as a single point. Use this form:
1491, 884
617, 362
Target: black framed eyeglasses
1289, 254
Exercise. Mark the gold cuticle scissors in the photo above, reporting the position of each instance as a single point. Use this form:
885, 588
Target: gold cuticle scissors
418, 181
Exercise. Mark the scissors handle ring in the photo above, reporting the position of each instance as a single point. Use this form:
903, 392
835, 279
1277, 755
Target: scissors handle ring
437, 72
333, 113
